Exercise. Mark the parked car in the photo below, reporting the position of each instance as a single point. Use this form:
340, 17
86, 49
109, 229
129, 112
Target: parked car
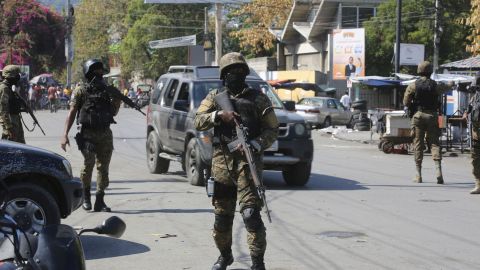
41, 188
322, 112
171, 135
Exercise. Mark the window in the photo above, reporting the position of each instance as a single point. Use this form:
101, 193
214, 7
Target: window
158, 90
349, 17
353, 17
338, 104
183, 93
331, 104
170, 93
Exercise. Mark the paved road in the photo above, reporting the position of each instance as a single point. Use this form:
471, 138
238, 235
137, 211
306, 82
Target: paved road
360, 210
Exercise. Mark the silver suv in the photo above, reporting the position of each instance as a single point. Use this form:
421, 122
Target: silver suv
171, 135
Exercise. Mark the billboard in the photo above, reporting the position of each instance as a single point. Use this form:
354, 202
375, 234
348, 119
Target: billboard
173, 42
411, 54
348, 53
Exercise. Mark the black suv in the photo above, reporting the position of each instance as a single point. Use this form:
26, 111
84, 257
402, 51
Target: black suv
171, 134
40, 186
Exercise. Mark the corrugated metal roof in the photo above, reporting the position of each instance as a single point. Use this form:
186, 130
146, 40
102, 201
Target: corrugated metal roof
470, 63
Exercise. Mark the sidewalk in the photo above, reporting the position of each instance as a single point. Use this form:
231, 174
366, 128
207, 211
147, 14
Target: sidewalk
342, 133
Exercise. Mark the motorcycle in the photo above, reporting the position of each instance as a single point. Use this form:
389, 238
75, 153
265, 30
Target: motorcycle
56, 247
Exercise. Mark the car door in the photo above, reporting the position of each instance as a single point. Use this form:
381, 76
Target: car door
177, 119
165, 109
343, 115
333, 111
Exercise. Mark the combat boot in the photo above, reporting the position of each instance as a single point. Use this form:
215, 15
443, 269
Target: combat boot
438, 169
418, 177
476, 190
224, 260
87, 203
100, 205
257, 263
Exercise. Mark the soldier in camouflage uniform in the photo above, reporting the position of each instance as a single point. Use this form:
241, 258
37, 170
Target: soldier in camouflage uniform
230, 170
94, 109
10, 106
425, 95
474, 111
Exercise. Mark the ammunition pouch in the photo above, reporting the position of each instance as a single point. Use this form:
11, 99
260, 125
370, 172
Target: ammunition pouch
223, 191
83, 144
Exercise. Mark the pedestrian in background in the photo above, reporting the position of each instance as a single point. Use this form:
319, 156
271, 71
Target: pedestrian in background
230, 170
10, 105
96, 111
474, 112
52, 98
346, 101
425, 96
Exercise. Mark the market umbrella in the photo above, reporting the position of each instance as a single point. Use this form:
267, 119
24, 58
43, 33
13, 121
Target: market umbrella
44, 79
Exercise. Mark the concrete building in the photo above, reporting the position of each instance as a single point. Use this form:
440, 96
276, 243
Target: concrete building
305, 42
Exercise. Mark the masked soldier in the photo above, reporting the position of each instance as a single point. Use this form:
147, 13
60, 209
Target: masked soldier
230, 170
425, 95
474, 111
94, 109
10, 105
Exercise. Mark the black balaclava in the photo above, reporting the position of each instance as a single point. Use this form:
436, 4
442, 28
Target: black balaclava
14, 80
235, 82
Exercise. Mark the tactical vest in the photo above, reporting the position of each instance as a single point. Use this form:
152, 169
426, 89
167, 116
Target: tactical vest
475, 114
97, 110
14, 103
245, 106
426, 97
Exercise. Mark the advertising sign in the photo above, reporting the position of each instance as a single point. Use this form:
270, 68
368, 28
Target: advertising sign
411, 54
348, 53
173, 42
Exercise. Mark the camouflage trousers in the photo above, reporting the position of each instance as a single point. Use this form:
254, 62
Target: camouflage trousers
16, 120
224, 201
425, 124
476, 150
98, 150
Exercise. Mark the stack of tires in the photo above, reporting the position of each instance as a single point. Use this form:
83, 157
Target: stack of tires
360, 120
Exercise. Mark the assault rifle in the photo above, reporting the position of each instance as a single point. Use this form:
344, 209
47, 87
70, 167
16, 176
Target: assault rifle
27, 108
115, 93
223, 101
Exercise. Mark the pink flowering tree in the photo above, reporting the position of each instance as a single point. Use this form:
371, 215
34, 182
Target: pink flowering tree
31, 34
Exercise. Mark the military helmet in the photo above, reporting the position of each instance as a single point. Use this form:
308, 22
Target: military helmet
11, 71
425, 68
232, 59
90, 65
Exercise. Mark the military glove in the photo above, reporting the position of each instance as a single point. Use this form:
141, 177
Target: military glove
256, 147
226, 117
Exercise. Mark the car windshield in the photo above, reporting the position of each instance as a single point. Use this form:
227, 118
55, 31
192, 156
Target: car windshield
201, 90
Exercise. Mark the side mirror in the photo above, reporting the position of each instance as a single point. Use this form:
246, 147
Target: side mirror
113, 226
289, 105
182, 105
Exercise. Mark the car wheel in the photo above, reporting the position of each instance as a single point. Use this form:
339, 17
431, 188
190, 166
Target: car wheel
32, 207
194, 164
155, 163
298, 174
327, 122
387, 147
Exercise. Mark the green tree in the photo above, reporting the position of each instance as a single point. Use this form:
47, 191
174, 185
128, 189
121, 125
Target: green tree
417, 27
98, 25
154, 22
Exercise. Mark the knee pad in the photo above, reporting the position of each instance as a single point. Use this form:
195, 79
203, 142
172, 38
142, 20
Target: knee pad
223, 223
251, 218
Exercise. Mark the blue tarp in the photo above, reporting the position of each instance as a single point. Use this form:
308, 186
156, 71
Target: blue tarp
380, 83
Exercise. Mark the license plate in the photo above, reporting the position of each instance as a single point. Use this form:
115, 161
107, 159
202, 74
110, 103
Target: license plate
273, 148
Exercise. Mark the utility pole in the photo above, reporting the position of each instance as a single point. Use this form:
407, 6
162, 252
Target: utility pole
206, 42
437, 34
69, 21
397, 39
218, 32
